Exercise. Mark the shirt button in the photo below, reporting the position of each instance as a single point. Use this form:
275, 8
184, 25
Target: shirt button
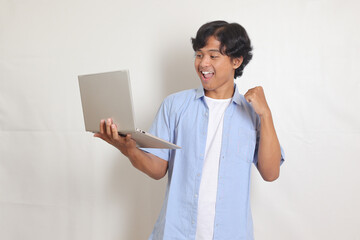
196, 195
192, 222
206, 114
198, 174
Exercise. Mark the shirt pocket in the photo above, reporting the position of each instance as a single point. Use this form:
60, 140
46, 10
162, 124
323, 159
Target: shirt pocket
246, 144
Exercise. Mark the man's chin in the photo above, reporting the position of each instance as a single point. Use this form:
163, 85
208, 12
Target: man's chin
207, 88
206, 85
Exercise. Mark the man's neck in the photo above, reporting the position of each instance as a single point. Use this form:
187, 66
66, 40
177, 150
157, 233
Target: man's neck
220, 94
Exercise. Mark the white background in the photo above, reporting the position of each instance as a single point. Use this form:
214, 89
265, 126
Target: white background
58, 182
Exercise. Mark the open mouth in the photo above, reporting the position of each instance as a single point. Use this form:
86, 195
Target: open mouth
207, 75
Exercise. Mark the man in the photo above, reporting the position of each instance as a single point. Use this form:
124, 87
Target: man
221, 134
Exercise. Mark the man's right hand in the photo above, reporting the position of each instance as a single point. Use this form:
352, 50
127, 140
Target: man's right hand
148, 163
109, 133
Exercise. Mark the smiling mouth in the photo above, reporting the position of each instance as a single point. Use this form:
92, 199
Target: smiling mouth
206, 75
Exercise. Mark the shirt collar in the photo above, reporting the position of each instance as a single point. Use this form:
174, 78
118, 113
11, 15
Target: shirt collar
236, 97
200, 92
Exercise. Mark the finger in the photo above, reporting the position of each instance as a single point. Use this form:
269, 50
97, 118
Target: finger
128, 138
108, 125
101, 136
102, 126
248, 97
114, 132
98, 135
250, 90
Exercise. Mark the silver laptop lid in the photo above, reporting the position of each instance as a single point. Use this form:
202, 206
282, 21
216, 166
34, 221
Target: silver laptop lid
107, 95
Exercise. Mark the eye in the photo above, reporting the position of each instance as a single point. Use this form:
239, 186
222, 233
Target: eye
198, 54
214, 56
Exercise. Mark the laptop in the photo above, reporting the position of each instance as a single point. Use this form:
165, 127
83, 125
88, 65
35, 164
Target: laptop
108, 95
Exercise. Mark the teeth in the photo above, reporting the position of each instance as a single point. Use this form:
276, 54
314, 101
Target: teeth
206, 72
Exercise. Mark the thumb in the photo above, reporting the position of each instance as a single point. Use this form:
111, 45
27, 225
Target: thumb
247, 98
128, 137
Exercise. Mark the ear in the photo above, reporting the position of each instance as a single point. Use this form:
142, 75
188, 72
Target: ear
237, 62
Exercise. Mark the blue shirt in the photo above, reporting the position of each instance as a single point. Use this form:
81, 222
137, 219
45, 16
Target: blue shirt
183, 119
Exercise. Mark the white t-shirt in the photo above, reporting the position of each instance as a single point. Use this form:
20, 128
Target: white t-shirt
209, 179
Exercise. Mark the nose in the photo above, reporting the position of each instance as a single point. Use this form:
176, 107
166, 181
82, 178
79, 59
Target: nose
205, 61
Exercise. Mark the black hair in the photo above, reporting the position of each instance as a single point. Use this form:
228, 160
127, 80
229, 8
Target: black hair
234, 41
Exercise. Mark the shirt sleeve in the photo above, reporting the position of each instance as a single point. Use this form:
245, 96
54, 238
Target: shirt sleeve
255, 160
161, 129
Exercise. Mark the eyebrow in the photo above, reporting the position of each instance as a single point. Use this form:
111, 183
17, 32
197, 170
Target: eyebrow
210, 50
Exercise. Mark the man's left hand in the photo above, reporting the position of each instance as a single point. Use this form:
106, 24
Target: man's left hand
256, 97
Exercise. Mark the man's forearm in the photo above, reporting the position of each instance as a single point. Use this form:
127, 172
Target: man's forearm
269, 154
148, 163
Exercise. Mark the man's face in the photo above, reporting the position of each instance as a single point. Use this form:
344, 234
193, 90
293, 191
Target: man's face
216, 71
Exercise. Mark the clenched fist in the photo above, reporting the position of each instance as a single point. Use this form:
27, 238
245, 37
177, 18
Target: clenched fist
256, 97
